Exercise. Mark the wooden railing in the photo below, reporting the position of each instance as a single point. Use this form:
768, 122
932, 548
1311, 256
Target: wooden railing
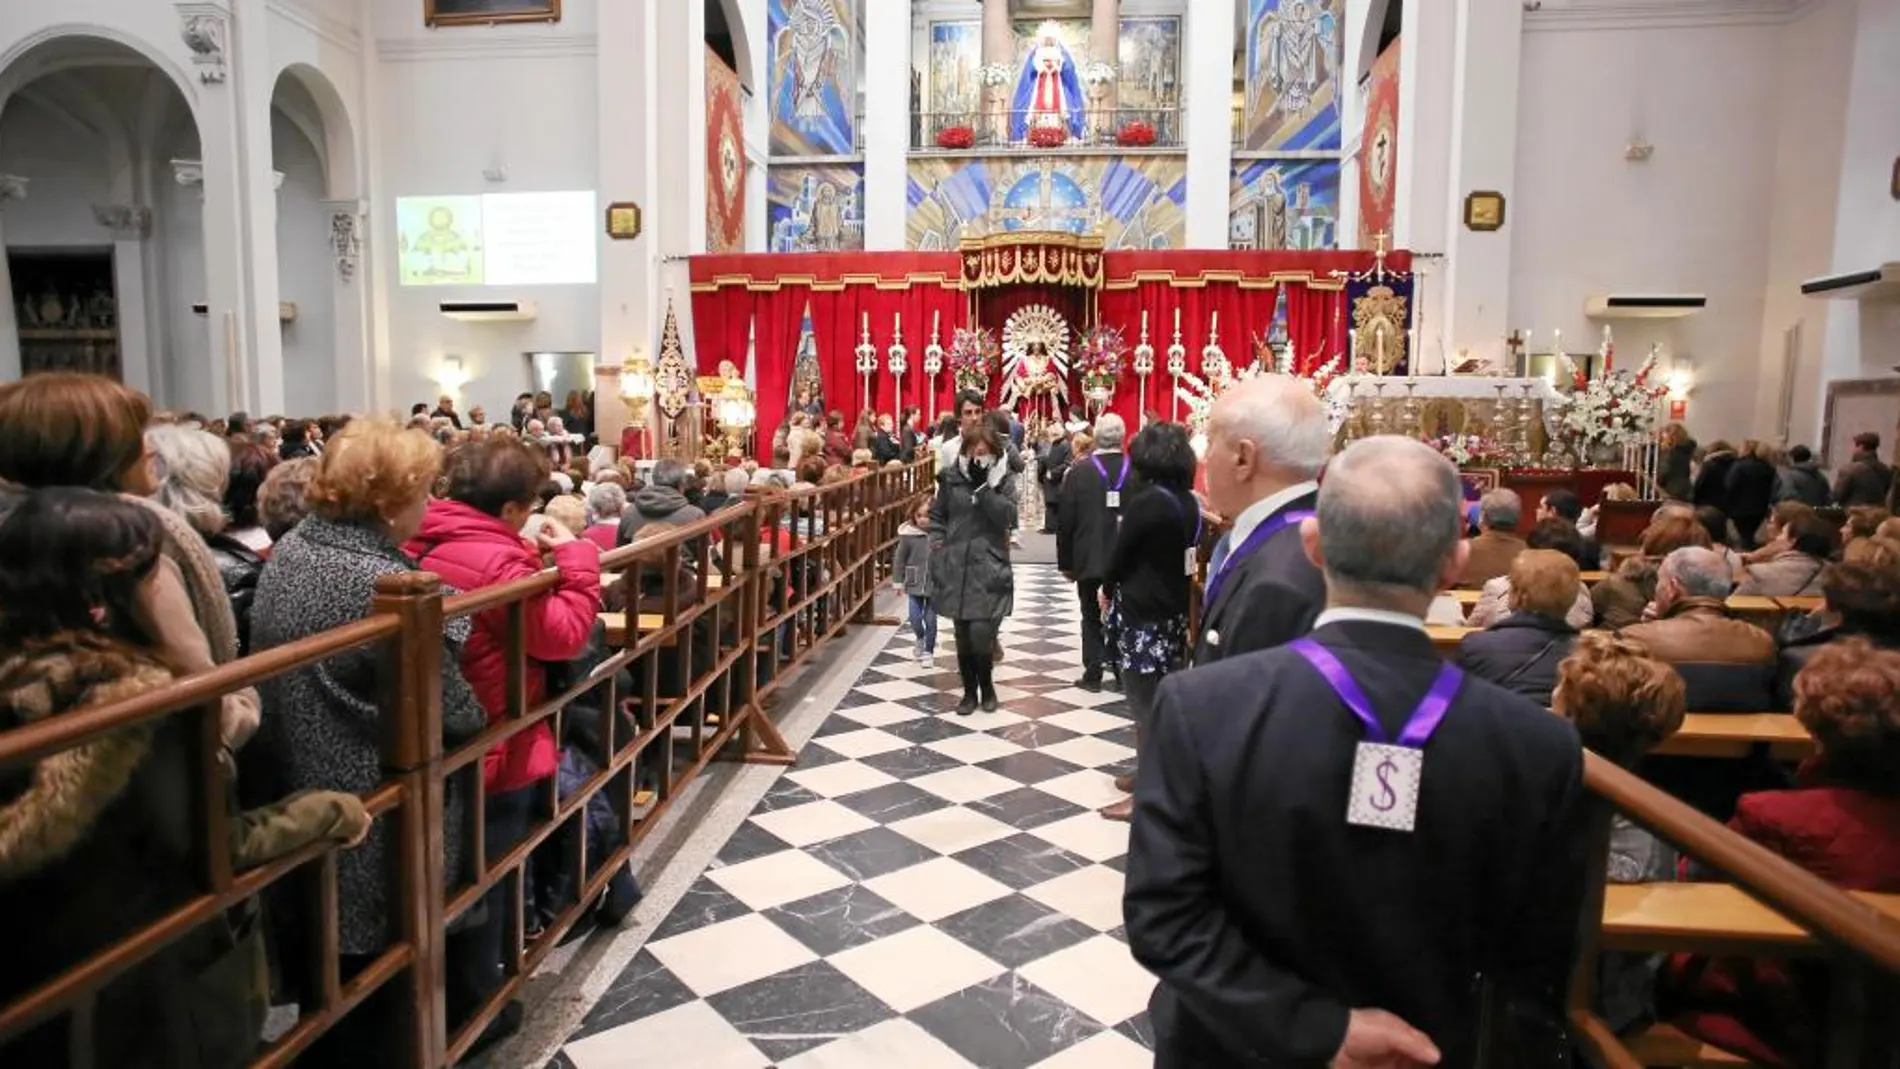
1863, 942
757, 605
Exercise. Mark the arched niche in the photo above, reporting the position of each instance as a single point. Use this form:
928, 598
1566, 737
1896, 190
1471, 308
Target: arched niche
105, 254
726, 34
314, 102
313, 146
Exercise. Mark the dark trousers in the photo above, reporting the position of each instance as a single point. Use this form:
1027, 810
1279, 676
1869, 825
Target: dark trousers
1140, 689
1094, 645
1049, 510
976, 655
474, 961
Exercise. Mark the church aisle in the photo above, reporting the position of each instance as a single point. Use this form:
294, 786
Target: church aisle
921, 890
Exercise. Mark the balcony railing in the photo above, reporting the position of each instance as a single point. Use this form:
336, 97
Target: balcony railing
1121, 128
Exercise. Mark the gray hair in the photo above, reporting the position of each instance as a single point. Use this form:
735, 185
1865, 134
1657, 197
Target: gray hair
1701, 573
1110, 431
606, 501
197, 468
1501, 509
1280, 415
1390, 513
670, 473
735, 482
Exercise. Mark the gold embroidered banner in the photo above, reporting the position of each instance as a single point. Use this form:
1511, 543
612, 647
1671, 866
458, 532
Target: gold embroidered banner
1019, 257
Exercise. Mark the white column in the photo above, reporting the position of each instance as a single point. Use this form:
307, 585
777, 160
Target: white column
886, 124
628, 145
253, 84
1208, 124
130, 227
12, 189
1473, 288
1427, 72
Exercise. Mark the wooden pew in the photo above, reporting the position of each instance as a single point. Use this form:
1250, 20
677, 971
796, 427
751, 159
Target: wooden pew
1447, 637
617, 625
1737, 734
1805, 603
1710, 918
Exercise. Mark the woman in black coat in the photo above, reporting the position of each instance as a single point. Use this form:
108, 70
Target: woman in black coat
971, 582
1750, 490
1522, 651
1678, 451
1145, 592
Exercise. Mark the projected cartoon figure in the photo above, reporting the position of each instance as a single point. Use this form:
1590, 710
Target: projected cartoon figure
441, 252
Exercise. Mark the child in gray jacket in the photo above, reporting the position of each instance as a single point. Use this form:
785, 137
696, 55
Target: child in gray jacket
910, 574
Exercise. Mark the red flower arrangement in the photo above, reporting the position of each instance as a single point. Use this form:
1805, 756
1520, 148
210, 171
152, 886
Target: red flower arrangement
1049, 136
956, 137
1136, 134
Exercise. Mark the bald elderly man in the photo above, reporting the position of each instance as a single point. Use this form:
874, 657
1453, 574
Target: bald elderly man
1331, 839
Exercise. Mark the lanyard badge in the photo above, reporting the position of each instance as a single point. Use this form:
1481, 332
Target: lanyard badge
1385, 775
1114, 492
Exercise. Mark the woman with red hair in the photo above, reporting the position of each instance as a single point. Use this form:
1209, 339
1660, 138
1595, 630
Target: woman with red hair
1841, 822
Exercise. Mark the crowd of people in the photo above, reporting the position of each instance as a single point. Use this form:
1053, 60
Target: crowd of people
144, 546
1280, 789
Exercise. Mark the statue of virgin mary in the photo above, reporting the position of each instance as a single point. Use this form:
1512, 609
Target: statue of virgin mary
1049, 92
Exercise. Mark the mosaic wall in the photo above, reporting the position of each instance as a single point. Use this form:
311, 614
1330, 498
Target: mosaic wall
1148, 62
812, 49
816, 208
1294, 50
1134, 202
1284, 204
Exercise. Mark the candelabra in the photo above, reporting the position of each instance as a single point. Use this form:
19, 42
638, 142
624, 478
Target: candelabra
1375, 419
1408, 412
1215, 367
1144, 367
1501, 429
933, 364
867, 360
1177, 364
1526, 416
897, 358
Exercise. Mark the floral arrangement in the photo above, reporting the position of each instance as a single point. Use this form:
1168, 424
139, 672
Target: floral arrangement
1136, 134
1097, 72
1101, 354
956, 137
973, 354
1470, 450
993, 75
1612, 411
1049, 136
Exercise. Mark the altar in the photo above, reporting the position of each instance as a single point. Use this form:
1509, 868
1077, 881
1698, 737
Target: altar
1509, 413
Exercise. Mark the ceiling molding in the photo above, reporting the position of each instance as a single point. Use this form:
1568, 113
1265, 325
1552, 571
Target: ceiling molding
1661, 14
328, 27
455, 45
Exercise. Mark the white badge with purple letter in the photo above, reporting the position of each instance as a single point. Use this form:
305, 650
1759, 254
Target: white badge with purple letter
1385, 786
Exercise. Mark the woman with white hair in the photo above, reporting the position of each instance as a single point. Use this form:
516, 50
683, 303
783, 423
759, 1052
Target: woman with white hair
195, 469
605, 504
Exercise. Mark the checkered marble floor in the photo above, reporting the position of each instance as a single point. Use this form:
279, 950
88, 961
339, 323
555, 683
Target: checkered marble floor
922, 890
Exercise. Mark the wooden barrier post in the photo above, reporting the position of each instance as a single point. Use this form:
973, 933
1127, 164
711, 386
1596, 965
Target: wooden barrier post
412, 686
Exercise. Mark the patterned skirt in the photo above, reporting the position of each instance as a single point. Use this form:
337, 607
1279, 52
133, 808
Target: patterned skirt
1145, 648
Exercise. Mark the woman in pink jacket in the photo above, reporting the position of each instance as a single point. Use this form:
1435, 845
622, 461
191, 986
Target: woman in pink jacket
471, 537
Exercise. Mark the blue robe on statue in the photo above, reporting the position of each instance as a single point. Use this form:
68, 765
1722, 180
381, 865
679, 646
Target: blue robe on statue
1019, 107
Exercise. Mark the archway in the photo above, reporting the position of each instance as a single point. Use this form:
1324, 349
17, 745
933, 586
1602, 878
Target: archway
313, 146
726, 35
105, 254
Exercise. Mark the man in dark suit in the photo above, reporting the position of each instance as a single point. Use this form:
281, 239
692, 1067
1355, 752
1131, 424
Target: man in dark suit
1266, 442
1088, 510
1055, 465
1332, 839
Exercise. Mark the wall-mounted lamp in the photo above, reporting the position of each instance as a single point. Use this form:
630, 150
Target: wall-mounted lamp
452, 376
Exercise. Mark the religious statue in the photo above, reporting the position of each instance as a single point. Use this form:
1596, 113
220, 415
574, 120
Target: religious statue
1036, 364
1292, 51
809, 50
1049, 92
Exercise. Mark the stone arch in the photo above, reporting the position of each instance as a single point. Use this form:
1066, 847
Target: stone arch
1378, 14
15, 70
331, 129
745, 62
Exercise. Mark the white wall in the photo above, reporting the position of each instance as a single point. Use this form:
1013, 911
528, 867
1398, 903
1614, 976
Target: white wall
178, 230
1694, 218
1863, 340
305, 272
451, 103
67, 173
1810, 126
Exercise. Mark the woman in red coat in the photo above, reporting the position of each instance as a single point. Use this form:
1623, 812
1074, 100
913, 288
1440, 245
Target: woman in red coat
1840, 822
471, 537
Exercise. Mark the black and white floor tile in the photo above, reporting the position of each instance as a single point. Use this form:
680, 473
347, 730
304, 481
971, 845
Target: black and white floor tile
921, 890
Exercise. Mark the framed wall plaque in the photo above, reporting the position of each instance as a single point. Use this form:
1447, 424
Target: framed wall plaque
623, 220
1484, 210
488, 12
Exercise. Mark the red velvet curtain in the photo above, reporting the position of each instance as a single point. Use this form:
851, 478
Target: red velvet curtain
722, 319
1244, 314
924, 306
835, 325
780, 314
1315, 326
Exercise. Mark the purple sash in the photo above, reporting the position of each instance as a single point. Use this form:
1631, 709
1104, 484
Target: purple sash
1423, 721
1120, 477
1269, 527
